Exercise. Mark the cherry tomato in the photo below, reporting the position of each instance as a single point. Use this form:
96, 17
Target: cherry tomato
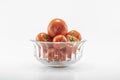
57, 27
43, 37
75, 34
72, 38
59, 38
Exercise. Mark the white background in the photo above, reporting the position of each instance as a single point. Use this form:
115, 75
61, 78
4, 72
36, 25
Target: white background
97, 20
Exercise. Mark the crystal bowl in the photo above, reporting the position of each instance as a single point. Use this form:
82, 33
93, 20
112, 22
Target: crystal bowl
58, 54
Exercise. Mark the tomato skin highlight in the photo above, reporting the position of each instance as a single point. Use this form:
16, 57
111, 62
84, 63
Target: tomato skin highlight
57, 27
43, 37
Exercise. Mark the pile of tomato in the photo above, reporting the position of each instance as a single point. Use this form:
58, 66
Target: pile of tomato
58, 32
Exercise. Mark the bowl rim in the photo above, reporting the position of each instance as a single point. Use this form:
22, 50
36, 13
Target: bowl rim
82, 41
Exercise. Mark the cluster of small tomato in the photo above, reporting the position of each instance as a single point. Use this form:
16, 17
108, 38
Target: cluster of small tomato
58, 32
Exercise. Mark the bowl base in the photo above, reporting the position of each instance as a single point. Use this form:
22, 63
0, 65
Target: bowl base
57, 66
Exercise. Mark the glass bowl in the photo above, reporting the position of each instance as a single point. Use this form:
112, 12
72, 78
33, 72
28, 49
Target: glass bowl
58, 54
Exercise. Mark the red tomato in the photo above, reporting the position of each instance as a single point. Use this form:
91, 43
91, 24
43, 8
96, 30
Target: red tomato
69, 50
57, 55
62, 56
43, 37
63, 53
57, 27
72, 38
75, 34
51, 53
59, 38
74, 49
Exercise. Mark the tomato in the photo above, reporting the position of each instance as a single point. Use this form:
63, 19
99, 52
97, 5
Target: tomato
62, 56
57, 56
51, 53
49, 45
43, 37
72, 38
75, 34
74, 49
57, 27
69, 50
59, 38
